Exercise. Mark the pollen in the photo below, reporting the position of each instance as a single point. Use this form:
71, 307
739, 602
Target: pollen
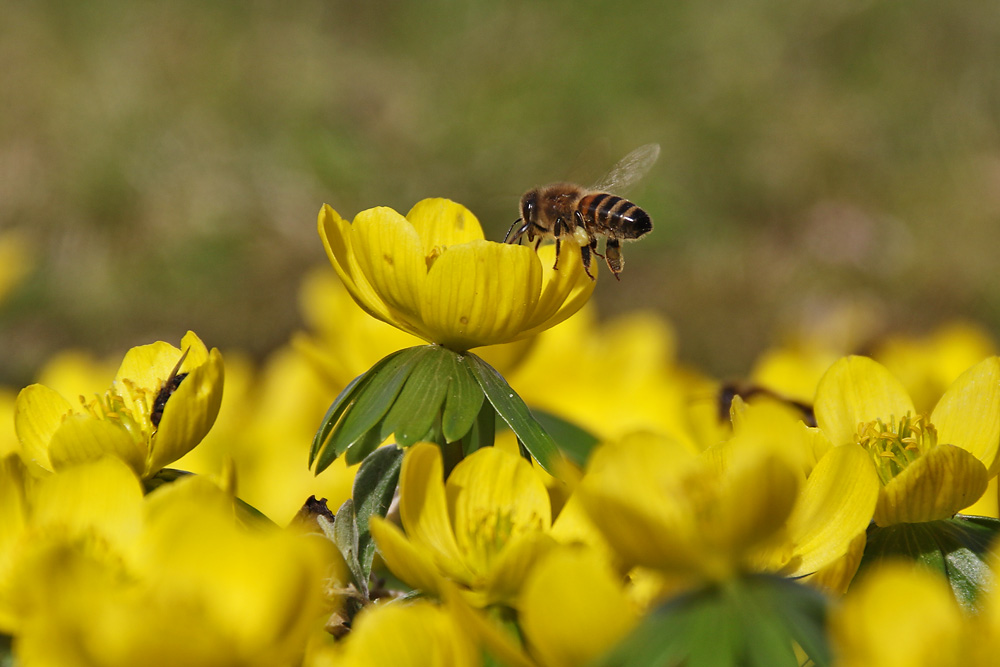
111, 407
895, 444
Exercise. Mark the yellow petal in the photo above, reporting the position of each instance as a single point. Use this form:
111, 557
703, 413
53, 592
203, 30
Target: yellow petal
968, 414
38, 413
755, 497
390, 255
335, 233
189, 413
835, 577
494, 496
442, 223
857, 390
103, 495
512, 565
836, 505
633, 491
83, 438
433, 637
405, 560
557, 608
480, 293
564, 290
423, 509
935, 486
900, 616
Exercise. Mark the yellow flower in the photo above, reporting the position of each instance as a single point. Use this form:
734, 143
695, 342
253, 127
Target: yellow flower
760, 502
281, 402
662, 506
161, 404
482, 529
574, 608
406, 634
930, 467
162, 580
433, 275
612, 379
902, 615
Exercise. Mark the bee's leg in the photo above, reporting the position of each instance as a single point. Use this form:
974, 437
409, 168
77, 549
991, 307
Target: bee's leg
557, 231
593, 247
613, 256
517, 235
585, 256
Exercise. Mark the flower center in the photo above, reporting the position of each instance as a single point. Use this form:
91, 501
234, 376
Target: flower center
895, 444
111, 407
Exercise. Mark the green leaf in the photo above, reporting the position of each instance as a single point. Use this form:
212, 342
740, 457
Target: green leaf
512, 410
345, 536
754, 621
462, 402
959, 548
344, 401
418, 404
364, 408
374, 486
334, 413
575, 442
483, 431
361, 448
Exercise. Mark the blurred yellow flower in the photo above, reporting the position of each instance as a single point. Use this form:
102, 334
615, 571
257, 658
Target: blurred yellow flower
926, 365
160, 405
902, 615
265, 426
433, 275
482, 528
169, 579
609, 378
930, 467
574, 608
663, 506
416, 633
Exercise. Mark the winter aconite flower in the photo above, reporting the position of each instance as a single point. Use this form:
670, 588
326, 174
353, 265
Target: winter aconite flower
160, 405
432, 274
930, 466
481, 529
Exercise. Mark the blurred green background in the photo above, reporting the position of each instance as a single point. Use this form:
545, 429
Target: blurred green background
166, 160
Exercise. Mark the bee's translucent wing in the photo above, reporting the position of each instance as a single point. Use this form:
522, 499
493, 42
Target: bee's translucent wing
629, 169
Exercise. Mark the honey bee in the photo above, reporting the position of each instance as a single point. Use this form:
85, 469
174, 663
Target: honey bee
167, 389
565, 210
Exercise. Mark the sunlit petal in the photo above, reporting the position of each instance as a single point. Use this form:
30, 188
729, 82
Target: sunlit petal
935, 486
856, 390
968, 414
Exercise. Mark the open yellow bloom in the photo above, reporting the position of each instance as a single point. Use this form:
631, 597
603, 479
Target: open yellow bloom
432, 274
481, 530
662, 506
140, 419
930, 467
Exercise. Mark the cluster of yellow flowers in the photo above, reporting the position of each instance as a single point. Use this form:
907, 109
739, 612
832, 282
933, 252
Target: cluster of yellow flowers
817, 511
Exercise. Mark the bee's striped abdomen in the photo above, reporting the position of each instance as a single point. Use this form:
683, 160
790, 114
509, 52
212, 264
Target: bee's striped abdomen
615, 216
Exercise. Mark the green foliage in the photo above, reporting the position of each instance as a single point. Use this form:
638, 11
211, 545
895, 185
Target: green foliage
755, 621
958, 548
430, 393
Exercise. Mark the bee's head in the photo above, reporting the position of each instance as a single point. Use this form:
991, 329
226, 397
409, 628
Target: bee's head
529, 206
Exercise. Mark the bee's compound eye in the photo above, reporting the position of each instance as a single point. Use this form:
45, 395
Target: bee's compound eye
528, 206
